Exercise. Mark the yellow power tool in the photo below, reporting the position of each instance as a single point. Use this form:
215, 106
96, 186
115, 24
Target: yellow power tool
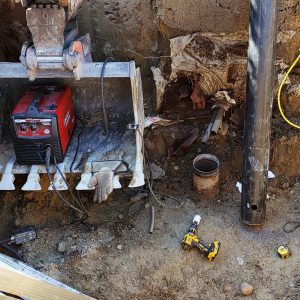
284, 251
191, 240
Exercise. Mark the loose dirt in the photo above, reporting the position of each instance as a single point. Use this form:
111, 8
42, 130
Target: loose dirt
121, 260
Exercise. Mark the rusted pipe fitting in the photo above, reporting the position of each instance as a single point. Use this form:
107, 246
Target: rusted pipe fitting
206, 169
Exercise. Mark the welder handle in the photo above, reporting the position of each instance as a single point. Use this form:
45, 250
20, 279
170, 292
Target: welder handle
7, 247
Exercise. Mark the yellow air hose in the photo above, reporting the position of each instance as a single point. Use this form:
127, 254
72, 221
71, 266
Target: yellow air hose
279, 93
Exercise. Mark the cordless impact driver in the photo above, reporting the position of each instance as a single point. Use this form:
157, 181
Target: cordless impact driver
191, 240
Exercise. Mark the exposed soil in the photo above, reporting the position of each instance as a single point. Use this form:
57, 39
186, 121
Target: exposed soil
111, 255
121, 260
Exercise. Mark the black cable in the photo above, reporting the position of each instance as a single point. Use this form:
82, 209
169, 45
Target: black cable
47, 163
76, 153
10, 249
69, 188
5, 241
293, 226
109, 59
150, 182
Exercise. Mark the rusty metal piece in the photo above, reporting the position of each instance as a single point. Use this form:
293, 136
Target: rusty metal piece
198, 98
181, 146
206, 173
178, 103
47, 27
218, 121
207, 132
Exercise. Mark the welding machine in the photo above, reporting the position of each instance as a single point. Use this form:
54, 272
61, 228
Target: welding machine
43, 117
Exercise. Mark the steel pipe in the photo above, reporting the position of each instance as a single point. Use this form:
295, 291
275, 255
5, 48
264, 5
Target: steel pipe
259, 102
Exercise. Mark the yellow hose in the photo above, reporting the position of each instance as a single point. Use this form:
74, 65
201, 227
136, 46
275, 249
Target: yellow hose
279, 93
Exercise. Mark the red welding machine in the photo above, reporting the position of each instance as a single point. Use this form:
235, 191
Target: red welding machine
43, 117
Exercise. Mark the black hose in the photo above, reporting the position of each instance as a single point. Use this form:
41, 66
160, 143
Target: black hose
47, 163
79, 202
10, 249
76, 153
291, 226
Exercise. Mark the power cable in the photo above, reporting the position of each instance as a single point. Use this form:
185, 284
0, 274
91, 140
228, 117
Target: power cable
280, 89
291, 226
78, 200
150, 184
47, 163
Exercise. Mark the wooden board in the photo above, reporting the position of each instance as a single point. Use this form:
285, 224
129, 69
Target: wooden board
19, 279
4, 297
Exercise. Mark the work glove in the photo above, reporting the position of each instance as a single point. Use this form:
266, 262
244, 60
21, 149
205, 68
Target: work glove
103, 183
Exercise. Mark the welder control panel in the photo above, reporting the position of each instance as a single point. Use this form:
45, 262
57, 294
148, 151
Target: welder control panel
31, 128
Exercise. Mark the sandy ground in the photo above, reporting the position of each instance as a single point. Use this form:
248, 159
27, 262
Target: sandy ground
123, 261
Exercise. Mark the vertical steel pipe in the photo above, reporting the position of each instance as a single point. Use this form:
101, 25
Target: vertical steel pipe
259, 102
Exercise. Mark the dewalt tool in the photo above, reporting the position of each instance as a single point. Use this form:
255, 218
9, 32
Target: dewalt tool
191, 240
284, 251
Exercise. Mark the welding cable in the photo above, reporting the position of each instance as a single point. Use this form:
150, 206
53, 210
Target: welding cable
291, 226
76, 153
10, 249
79, 202
104, 111
150, 184
280, 89
47, 163
73, 161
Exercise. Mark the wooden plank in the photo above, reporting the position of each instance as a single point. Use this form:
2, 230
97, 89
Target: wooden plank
4, 297
19, 279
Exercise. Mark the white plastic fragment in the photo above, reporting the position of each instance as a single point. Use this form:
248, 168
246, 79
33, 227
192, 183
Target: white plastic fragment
239, 186
271, 175
240, 261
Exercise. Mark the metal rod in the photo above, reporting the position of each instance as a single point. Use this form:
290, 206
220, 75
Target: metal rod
260, 84
218, 121
206, 135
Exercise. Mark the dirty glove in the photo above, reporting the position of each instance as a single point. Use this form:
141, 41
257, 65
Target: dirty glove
103, 183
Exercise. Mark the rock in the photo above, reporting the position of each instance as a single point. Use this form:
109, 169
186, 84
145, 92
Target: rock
61, 247
246, 289
157, 172
176, 168
139, 196
228, 288
74, 248
240, 261
119, 247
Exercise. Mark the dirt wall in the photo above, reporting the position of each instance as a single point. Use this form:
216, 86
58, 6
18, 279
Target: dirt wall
141, 31
130, 29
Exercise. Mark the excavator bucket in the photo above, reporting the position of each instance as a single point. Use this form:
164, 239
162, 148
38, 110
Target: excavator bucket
107, 135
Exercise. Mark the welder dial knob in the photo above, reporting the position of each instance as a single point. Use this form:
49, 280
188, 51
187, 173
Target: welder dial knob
23, 127
33, 126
